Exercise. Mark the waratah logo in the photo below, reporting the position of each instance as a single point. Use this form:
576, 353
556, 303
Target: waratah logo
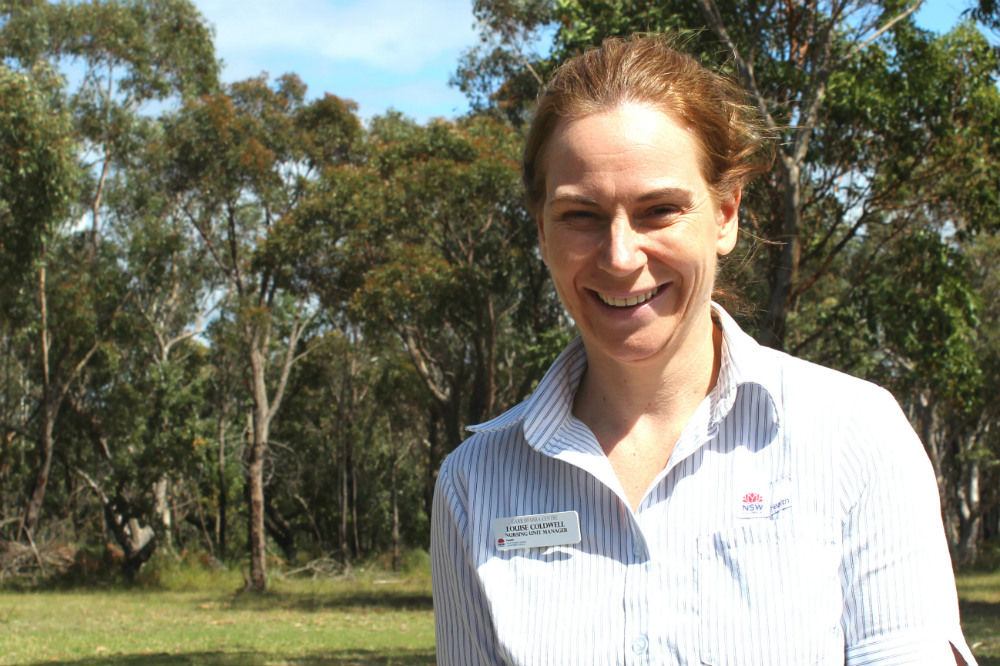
499, 542
753, 503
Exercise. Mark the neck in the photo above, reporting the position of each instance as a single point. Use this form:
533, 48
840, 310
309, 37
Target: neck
659, 393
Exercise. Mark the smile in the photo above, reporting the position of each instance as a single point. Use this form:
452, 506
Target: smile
630, 300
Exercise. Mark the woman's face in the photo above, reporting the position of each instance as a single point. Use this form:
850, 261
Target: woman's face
630, 232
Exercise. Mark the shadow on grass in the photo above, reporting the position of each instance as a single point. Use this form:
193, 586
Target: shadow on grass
306, 602
981, 624
984, 611
338, 658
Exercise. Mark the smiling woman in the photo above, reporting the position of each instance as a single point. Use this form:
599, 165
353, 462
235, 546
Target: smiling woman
634, 232
724, 503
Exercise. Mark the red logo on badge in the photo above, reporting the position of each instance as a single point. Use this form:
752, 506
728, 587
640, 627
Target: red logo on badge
752, 497
499, 542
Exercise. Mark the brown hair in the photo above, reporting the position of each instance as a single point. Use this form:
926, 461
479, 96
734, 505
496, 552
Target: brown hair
648, 69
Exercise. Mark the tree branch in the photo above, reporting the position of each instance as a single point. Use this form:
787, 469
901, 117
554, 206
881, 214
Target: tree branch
860, 46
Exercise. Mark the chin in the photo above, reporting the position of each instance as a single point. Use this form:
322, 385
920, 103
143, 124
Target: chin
632, 349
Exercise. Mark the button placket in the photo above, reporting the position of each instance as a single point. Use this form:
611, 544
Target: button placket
637, 597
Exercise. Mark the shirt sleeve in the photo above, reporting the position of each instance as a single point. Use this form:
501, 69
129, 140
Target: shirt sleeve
463, 630
900, 603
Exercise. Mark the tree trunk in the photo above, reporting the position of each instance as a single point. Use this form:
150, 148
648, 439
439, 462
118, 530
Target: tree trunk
345, 554
394, 494
354, 506
220, 518
255, 524
162, 511
33, 509
255, 475
772, 332
970, 506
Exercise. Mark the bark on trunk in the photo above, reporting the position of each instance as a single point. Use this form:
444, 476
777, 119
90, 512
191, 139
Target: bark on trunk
786, 272
395, 515
345, 551
162, 510
220, 519
354, 506
255, 526
33, 509
255, 475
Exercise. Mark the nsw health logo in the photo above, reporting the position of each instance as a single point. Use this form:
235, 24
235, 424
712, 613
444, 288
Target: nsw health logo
753, 504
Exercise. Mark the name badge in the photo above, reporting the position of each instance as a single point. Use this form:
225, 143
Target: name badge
537, 530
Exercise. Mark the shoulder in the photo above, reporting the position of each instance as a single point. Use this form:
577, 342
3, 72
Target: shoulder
826, 391
796, 386
862, 424
489, 445
859, 413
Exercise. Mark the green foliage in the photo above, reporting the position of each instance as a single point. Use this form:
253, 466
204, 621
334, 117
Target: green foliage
430, 242
38, 175
157, 47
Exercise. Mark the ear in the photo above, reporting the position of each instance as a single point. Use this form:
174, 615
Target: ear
729, 222
542, 247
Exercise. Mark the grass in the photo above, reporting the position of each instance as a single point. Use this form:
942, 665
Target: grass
366, 621
197, 619
979, 594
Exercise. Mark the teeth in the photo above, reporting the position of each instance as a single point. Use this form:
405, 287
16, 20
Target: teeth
631, 300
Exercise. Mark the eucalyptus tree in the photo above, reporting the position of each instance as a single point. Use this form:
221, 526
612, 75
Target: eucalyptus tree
125, 55
241, 161
146, 412
428, 247
37, 177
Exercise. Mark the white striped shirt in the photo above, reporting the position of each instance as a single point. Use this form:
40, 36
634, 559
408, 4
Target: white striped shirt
797, 522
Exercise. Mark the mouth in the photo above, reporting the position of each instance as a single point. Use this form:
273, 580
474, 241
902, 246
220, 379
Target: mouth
628, 301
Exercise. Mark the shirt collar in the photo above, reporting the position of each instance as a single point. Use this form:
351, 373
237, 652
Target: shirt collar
744, 361
543, 413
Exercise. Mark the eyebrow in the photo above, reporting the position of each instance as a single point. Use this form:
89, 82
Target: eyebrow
665, 193
661, 193
574, 198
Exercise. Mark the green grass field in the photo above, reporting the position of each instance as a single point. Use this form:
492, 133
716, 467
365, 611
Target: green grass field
369, 621
365, 622
980, 598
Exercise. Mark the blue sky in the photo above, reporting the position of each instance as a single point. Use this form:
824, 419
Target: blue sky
379, 53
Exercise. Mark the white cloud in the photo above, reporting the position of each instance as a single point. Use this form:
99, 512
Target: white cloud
397, 35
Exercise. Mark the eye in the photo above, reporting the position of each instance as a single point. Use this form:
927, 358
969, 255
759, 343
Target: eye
662, 212
580, 217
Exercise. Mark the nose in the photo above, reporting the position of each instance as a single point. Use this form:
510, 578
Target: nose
622, 253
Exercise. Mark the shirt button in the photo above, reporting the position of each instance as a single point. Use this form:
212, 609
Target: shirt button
640, 645
638, 549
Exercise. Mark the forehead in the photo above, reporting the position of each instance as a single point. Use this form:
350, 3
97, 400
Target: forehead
631, 145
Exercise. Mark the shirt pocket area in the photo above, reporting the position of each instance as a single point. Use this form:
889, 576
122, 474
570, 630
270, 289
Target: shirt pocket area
770, 596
